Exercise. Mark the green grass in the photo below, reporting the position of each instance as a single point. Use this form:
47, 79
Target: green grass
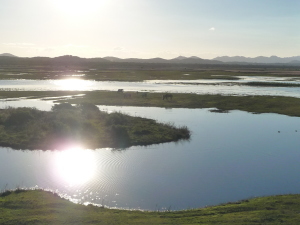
40, 207
256, 104
84, 125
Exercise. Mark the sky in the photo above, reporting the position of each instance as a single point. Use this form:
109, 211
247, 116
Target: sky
150, 28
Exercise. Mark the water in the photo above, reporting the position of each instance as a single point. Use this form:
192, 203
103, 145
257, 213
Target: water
223, 87
241, 79
231, 156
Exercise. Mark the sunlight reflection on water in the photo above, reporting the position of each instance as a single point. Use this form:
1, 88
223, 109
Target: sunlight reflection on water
73, 84
205, 87
75, 166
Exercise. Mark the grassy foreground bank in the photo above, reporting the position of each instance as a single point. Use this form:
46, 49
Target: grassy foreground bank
82, 125
40, 207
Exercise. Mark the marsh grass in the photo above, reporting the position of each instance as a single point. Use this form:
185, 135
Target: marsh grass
140, 72
100, 74
84, 125
255, 104
8, 192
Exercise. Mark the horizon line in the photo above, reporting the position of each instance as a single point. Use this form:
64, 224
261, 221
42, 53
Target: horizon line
186, 57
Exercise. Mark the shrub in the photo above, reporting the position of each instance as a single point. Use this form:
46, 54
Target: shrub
62, 106
19, 117
115, 119
89, 110
120, 136
86, 107
61, 128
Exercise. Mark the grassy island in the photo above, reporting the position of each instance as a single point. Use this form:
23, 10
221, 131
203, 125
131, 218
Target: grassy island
40, 207
84, 125
255, 104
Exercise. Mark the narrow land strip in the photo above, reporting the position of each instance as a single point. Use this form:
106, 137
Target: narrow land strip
255, 104
131, 72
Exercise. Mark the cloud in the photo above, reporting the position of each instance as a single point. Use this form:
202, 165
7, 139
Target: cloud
73, 46
19, 45
212, 29
47, 49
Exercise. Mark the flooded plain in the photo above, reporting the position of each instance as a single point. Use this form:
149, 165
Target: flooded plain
231, 156
223, 87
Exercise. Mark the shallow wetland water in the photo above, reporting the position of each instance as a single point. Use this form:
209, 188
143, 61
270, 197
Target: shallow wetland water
231, 156
223, 87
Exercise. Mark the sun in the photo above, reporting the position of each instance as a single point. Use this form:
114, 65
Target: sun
77, 7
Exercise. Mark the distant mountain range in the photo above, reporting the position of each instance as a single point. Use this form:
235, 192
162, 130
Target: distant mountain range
259, 59
178, 60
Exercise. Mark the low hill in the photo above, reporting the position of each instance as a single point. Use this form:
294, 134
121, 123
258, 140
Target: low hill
7, 55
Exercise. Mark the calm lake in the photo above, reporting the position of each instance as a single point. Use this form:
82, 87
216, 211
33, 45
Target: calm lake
231, 156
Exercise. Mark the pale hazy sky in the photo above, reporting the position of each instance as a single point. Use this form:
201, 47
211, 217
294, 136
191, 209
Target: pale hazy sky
150, 28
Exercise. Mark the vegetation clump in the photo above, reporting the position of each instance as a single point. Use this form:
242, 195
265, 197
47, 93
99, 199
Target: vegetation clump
84, 125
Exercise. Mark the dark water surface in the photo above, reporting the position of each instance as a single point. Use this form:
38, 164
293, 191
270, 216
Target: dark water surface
231, 156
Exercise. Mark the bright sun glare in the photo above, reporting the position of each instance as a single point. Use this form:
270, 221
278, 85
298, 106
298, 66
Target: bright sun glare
75, 166
73, 84
77, 6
